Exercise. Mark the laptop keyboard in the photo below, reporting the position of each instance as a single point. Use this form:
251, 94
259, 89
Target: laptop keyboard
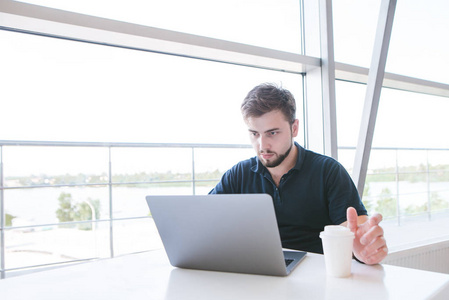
288, 261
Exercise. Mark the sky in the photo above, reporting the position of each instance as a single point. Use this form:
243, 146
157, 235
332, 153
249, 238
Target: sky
83, 92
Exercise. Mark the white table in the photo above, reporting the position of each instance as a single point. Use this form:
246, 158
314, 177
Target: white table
149, 276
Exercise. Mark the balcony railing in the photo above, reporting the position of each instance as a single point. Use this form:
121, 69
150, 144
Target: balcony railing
405, 183
108, 180
408, 183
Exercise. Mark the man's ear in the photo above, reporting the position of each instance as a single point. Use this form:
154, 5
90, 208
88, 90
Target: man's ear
295, 128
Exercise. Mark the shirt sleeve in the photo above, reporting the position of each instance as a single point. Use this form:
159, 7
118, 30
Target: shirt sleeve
341, 194
224, 186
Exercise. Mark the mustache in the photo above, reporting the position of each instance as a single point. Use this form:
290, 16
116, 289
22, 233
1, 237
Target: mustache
266, 152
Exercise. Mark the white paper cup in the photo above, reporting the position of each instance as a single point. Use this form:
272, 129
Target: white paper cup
337, 246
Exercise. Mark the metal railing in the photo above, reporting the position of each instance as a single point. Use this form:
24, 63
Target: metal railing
408, 172
193, 181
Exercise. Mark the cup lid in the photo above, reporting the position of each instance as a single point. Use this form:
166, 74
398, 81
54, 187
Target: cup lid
336, 230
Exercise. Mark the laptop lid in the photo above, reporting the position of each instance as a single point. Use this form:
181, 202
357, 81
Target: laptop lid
226, 232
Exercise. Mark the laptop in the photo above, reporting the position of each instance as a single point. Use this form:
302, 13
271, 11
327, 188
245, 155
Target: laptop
227, 232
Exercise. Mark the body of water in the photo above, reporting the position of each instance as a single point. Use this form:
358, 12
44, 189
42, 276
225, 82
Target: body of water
39, 205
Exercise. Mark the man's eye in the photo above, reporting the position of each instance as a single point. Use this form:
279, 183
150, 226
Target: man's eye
273, 132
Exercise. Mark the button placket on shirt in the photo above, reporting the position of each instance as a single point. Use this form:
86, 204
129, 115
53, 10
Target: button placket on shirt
276, 193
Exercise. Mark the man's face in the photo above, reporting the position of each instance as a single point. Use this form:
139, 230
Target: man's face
272, 137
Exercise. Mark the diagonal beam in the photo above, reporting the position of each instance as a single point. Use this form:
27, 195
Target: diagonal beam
373, 89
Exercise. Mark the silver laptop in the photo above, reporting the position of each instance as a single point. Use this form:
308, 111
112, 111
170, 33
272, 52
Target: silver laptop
229, 233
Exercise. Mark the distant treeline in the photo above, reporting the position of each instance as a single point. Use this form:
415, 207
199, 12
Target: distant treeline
437, 173
153, 178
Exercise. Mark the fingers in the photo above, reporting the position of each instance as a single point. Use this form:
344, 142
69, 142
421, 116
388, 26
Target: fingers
372, 247
351, 218
375, 252
373, 233
375, 219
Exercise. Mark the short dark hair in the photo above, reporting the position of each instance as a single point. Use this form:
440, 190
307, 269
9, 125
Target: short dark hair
268, 97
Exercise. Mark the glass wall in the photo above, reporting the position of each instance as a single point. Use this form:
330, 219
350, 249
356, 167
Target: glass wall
417, 46
75, 201
66, 202
419, 31
354, 30
78, 201
408, 171
274, 24
86, 92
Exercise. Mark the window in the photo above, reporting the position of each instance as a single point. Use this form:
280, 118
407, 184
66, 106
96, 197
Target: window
417, 32
272, 24
354, 30
408, 166
77, 192
86, 92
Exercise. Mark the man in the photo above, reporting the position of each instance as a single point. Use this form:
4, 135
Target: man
309, 190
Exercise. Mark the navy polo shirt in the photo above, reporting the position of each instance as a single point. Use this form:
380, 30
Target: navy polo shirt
316, 192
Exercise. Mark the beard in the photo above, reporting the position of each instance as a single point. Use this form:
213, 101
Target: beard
278, 160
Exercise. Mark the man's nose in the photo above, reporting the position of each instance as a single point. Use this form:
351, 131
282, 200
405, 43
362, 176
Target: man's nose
263, 143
